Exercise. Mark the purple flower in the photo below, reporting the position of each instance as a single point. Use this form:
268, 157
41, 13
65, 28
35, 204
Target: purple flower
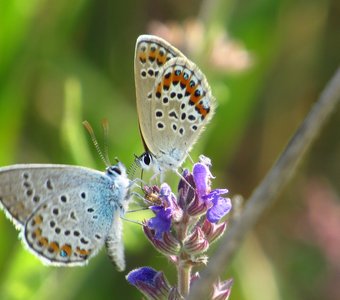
151, 283
161, 222
202, 177
144, 274
183, 228
165, 212
217, 206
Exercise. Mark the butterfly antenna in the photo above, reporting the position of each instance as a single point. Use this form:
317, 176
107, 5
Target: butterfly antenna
105, 125
133, 167
182, 177
190, 158
141, 178
89, 129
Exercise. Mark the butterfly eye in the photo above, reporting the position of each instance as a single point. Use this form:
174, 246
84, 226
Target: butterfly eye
115, 169
118, 171
144, 161
147, 158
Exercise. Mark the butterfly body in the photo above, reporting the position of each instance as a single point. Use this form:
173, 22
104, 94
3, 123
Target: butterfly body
66, 213
174, 103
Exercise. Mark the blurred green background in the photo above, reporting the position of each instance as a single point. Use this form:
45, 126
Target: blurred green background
63, 62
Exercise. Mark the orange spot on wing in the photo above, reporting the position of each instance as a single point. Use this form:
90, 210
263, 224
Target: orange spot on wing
152, 55
159, 89
38, 219
176, 77
43, 241
202, 110
67, 248
191, 90
142, 57
53, 247
167, 81
183, 83
37, 232
161, 59
83, 252
195, 99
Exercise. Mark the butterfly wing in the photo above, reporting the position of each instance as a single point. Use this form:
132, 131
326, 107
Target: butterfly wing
23, 188
66, 211
181, 105
174, 101
151, 54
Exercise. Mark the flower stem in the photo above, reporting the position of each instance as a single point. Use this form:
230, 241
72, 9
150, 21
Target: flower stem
183, 275
183, 268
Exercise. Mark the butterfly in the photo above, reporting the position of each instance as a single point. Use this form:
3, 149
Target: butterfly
174, 103
65, 213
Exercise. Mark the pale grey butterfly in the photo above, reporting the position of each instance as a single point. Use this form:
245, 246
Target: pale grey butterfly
174, 103
67, 213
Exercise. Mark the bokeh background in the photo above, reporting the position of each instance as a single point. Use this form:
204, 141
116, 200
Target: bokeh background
62, 62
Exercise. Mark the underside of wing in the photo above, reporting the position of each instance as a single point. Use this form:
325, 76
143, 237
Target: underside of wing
182, 104
65, 213
71, 227
151, 54
24, 187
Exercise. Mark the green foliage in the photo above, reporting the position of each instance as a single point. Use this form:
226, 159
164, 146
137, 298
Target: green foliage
62, 62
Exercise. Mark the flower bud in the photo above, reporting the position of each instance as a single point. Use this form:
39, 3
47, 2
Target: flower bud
186, 193
196, 208
151, 283
222, 290
167, 244
196, 242
213, 231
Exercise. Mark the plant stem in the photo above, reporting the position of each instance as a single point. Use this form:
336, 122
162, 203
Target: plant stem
183, 268
183, 275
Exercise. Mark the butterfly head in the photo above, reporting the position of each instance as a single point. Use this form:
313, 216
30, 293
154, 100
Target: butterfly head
160, 164
117, 170
121, 184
